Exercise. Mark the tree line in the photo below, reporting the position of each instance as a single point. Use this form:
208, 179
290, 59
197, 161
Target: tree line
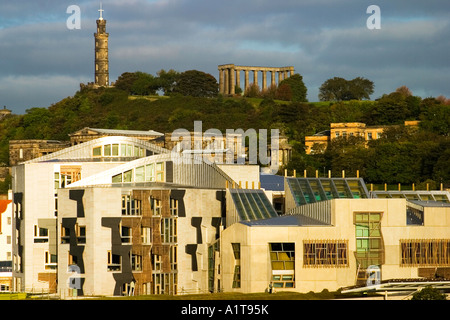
400, 156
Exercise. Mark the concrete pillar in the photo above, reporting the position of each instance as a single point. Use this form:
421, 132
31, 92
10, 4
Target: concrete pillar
221, 82
264, 80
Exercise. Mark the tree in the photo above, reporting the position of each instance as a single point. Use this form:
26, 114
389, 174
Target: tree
197, 84
428, 293
298, 88
137, 83
340, 89
167, 80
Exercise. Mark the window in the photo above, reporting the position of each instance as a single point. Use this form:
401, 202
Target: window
50, 261
125, 234
65, 235
156, 262
369, 135
169, 230
140, 174
156, 206
160, 171
130, 206
425, 252
136, 262
369, 245
282, 256
97, 152
165, 283
173, 207
128, 176
150, 172
237, 265
173, 258
114, 262
146, 235
414, 216
107, 150
81, 234
329, 253
40, 235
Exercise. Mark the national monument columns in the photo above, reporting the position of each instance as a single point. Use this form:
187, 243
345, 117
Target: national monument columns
230, 77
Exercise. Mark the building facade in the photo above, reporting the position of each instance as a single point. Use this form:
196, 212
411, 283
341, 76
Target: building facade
337, 235
6, 244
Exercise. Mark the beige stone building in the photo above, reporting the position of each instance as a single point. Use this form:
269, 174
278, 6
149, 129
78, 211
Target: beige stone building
336, 235
319, 141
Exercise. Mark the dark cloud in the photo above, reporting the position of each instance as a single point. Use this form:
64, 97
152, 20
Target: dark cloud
42, 61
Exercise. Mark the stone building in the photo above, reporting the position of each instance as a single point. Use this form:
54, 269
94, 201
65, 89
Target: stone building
319, 141
230, 77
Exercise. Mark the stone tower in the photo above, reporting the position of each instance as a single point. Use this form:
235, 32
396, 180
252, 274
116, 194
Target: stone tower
101, 53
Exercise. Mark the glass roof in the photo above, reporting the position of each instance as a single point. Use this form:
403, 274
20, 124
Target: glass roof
252, 204
438, 196
311, 190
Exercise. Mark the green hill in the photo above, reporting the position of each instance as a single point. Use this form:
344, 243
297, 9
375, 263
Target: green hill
401, 156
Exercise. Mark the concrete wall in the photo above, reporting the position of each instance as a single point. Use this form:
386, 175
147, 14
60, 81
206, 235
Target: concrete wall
255, 260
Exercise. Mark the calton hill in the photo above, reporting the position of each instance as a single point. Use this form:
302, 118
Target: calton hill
171, 100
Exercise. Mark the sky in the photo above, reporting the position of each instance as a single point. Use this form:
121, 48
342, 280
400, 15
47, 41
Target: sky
42, 61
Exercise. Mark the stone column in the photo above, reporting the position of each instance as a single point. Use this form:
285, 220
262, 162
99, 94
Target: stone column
232, 81
292, 71
280, 76
246, 84
264, 80
285, 74
226, 89
221, 82
272, 82
255, 77
238, 78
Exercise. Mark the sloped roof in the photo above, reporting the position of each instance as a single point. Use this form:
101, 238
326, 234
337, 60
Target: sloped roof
119, 132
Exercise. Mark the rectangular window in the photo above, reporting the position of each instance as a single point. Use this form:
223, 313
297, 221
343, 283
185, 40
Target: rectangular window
169, 230
173, 207
369, 245
107, 150
282, 256
114, 262
237, 265
160, 171
65, 235
426, 252
115, 150
130, 206
81, 234
126, 234
97, 152
328, 253
139, 174
50, 262
136, 262
156, 206
173, 258
40, 235
150, 172
146, 235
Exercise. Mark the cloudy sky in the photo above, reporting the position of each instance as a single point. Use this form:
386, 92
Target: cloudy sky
43, 61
